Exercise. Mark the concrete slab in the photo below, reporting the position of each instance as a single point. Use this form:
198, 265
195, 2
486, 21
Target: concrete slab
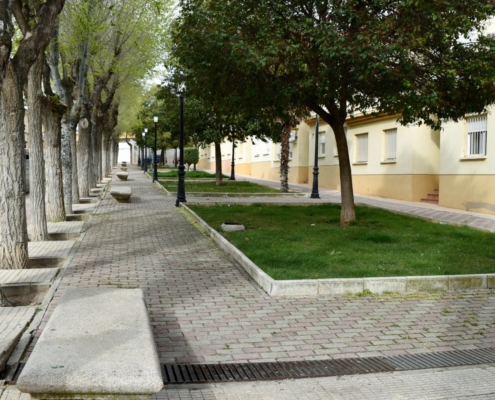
83, 208
123, 175
121, 193
13, 321
50, 249
27, 276
66, 230
98, 344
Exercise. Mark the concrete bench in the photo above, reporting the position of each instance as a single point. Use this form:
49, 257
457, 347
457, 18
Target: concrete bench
122, 175
121, 194
98, 344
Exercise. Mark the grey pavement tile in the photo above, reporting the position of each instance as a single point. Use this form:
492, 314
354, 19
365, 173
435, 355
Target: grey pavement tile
204, 309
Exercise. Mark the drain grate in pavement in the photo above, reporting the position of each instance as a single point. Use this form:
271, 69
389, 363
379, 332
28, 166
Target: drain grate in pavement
203, 373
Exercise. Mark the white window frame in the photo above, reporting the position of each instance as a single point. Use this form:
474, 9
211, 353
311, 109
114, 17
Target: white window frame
390, 145
293, 135
266, 148
322, 140
361, 148
476, 136
256, 148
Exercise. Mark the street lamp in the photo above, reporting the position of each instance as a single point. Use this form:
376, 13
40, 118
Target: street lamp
142, 152
155, 164
181, 190
145, 151
232, 170
314, 191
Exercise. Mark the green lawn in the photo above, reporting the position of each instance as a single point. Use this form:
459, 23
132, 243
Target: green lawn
174, 173
227, 187
298, 242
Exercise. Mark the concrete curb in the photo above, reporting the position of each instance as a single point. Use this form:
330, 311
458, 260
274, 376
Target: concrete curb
329, 287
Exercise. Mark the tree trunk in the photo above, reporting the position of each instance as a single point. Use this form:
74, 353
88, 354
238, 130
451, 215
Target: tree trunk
66, 157
162, 156
347, 213
38, 229
75, 171
55, 210
284, 158
13, 226
83, 158
218, 164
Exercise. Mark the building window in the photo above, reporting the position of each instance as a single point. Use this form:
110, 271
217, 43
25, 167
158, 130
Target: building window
321, 143
476, 136
362, 148
293, 135
390, 145
267, 146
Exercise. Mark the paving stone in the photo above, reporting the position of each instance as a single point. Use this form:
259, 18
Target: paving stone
200, 301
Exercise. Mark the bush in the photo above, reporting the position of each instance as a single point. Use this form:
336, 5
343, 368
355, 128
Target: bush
191, 155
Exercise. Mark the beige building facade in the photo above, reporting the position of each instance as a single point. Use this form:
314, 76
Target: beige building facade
454, 167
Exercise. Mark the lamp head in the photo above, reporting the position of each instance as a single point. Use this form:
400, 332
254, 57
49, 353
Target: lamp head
145, 130
155, 118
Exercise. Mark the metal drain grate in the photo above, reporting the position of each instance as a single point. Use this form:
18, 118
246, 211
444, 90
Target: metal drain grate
202, 373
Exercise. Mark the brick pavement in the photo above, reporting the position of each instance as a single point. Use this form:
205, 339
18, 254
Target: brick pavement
204, 309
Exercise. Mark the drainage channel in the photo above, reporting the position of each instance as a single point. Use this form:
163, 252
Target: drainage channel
204, 373
207, 373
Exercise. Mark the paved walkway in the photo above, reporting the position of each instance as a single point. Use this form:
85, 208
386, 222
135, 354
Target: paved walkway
204, 309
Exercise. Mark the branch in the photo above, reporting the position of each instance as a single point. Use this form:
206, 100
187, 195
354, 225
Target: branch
32, 45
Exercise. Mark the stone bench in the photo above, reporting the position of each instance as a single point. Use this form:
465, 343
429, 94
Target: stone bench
122, 175
121, 194
98, 344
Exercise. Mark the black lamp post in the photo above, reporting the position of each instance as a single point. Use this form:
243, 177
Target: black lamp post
145, 151
314, 192
155, 164
142, 152
232, 170
181, 190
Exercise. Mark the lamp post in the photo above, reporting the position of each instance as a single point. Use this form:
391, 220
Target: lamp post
314, 191
232, 169
155, 164
145, 151
142, 152
181, 190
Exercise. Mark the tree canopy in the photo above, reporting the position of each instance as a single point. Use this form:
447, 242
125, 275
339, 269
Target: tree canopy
428, 61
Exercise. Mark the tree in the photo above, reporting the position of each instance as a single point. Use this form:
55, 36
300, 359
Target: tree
419, 59
14, 70
191, 156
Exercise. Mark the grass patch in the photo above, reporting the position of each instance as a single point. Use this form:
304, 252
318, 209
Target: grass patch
174, 173
307, 242
227, 187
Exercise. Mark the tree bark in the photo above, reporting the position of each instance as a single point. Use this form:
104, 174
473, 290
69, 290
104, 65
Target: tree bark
13, 226
13, 75
347, 212
38, 229
336, 119
284, 158
218, 164
75, 171
66, 158
55, 210
83, 159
